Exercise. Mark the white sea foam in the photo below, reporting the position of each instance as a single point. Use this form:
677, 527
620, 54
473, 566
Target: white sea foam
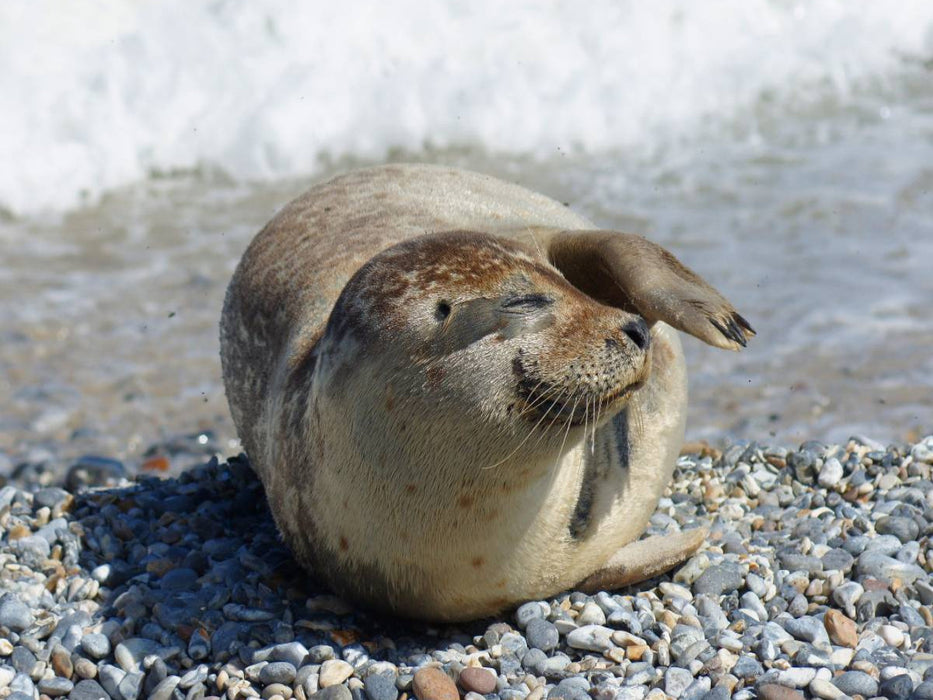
100, 94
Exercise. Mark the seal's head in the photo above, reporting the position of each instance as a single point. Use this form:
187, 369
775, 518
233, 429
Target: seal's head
472, 329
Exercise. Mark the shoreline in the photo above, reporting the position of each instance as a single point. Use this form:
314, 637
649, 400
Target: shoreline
815, 582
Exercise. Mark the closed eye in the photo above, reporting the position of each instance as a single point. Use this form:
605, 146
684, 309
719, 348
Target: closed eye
526, 303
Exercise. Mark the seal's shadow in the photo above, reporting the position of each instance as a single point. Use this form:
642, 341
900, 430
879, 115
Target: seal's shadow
196, 564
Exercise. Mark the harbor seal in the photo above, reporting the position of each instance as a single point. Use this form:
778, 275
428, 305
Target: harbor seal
460, 395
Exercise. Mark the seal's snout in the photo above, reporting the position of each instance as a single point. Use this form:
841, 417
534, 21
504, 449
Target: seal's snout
637, 331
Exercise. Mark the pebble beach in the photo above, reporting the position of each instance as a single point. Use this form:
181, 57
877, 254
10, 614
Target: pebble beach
814, 582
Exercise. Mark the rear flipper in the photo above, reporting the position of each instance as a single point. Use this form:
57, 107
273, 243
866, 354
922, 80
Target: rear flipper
644, 559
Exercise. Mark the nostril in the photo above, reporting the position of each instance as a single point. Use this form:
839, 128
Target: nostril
637, 331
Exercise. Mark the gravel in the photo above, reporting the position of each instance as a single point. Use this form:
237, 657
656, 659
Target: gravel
814, 582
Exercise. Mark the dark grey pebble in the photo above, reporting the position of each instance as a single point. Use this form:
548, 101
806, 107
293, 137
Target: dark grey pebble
924, 691
91, 470
55, 686
897, 688
277, 672
180, 579
380, 687
856, 683
528, 612
88, 690
50, 497
574, 688
294, 653
333, 692
795, 561
718, 693
542, 635
14, 614
716, 580
320, 653
23, 660
904, 529
747, 667
837, 559
807, 629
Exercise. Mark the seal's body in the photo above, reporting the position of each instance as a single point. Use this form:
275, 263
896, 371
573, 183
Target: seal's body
457, 394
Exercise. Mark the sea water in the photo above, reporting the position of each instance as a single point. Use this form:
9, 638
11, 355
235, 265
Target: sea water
782, 150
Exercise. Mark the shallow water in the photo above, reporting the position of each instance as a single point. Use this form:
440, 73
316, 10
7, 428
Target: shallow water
819, 230
784, 151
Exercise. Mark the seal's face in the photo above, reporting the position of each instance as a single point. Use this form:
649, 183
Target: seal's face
475, 328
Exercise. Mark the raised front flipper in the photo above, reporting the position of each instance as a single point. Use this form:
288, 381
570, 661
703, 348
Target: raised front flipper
643, 559
632, 273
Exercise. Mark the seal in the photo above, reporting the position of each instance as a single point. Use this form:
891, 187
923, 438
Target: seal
460, 395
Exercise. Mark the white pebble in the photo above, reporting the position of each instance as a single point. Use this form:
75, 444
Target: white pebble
892, 635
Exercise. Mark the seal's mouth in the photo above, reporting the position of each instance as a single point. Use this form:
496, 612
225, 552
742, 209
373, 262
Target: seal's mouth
547, 403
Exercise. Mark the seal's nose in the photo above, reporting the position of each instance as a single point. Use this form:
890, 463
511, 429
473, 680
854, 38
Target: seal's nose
638, 333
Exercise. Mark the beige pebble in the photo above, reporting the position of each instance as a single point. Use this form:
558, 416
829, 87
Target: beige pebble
773, 691
824, 689
334, 672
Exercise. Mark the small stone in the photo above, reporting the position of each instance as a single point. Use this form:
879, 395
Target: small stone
131, 652
477, 680
320, 653
891, 634
334, 672
433, 684
542, 635
276, 691
530, 611
85, 668
591, 614
14, 614
131, 685
830, 473
897, 688
717, 580
333, 692
55, 687
293, 652
841, 629
88, 690
61, 662
591, 638
824, 689
165, 690
856, 683
774, 691
284, 673
924, 691
109, 678
808, 629
379, 686
199, 646
95, 645
676, 681
904, 529
881, 566
747, 667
